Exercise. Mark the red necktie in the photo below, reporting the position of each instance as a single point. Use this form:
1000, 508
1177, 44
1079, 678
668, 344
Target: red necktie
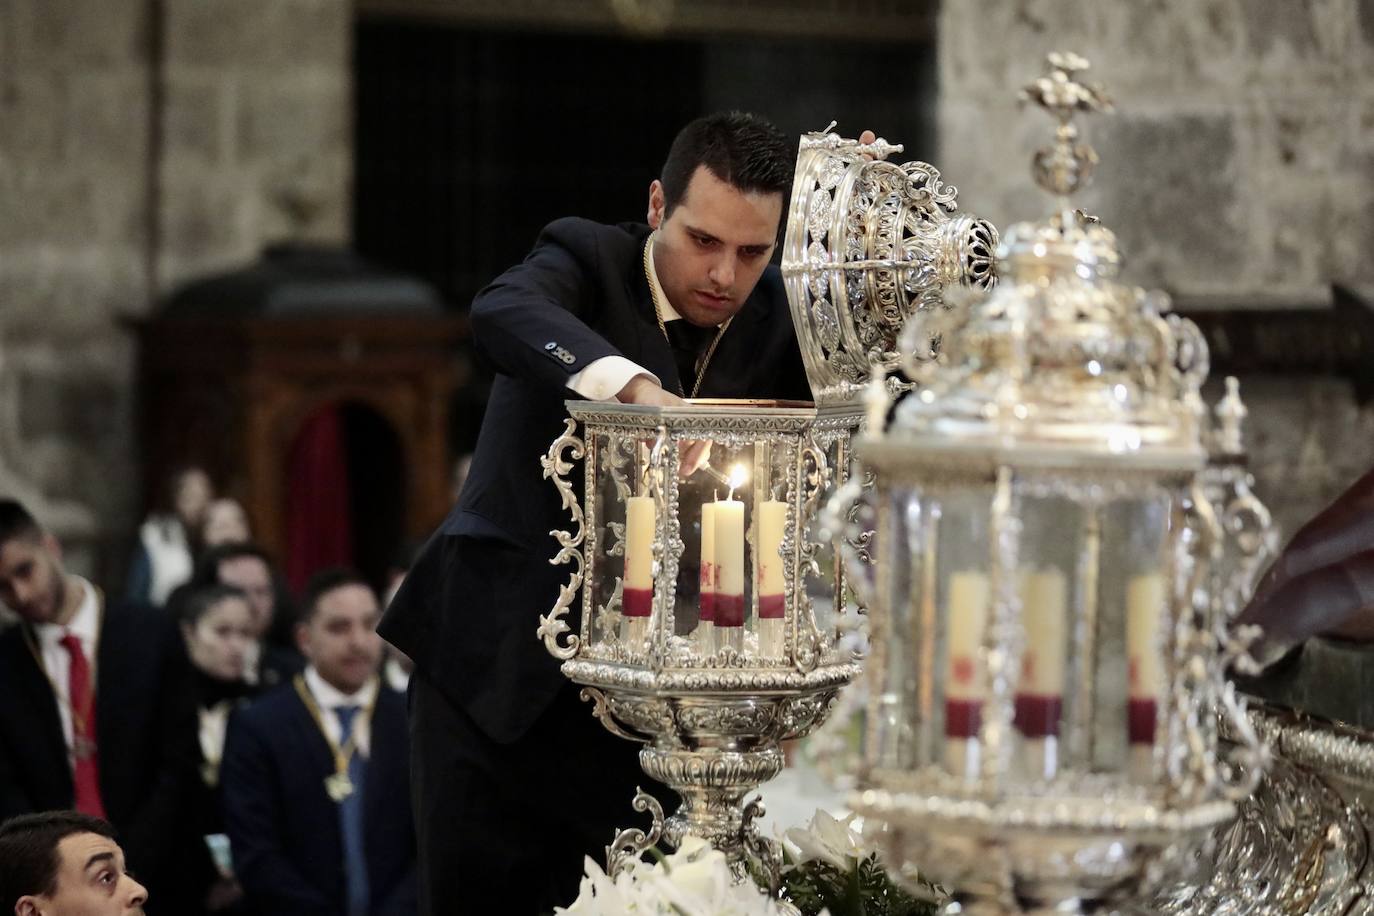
86, 769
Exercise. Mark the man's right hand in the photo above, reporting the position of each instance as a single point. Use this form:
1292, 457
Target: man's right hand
643, 390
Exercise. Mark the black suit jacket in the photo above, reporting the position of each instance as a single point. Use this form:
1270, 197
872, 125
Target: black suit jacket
468, 610
284, 829
145, 729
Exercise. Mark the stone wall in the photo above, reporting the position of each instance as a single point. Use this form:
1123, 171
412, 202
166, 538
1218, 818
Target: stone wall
1236, 172
141, 143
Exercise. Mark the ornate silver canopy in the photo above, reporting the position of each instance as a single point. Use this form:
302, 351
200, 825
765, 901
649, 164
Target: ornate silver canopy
868, 244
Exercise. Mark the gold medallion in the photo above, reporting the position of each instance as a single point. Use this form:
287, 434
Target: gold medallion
338, 786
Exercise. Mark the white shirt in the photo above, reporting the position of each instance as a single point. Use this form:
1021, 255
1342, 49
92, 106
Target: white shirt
602, 379
57, 661
330, 698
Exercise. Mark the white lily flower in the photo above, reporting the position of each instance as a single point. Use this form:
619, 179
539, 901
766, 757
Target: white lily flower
828, 840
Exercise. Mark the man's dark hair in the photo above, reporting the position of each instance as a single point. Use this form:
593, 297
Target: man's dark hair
201, 600
28, 851
322, 583
207, 568
16, 522
741, 149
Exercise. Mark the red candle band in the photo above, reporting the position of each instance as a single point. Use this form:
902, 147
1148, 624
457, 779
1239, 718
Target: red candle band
729, 610
771, 607
1037, 715
707, 607
963, 718
637, 602
1140, 715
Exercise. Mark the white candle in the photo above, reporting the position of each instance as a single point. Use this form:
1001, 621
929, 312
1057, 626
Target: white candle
772, 525
638, 596
1039, 693
707, 603
1146, 602
968, 609
729, 550
772, 590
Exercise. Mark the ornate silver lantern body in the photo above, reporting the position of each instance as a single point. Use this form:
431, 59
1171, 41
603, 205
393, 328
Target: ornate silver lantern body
1047, 668
711, 671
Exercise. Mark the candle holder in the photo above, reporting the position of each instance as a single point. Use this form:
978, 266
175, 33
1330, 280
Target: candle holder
707, 610
1048, 667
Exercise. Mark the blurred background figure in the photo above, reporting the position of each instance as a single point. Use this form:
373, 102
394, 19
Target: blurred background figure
272, 657
118, 746
217, 624
225, 523
170, 538
309, 760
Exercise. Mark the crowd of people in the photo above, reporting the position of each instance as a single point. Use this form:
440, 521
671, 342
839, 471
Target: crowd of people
238, 751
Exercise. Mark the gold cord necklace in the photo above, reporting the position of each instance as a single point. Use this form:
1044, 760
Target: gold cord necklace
337, 785
658, 313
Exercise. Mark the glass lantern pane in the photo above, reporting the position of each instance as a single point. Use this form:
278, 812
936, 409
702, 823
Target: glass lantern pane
961, 564
1052, 564
1135, 625
621, 584
894, 718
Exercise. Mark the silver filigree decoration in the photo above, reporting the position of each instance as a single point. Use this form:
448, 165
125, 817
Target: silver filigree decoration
631, 843
556, 467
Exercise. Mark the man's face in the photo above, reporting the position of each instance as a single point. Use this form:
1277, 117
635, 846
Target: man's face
32, 580
713, 247
340, 639
91, 881
251, 576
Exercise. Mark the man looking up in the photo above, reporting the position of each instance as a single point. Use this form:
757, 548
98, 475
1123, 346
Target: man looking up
64, 863
94, 710
514, 780
314, 775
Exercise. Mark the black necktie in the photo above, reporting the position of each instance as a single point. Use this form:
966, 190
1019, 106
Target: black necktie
689, 342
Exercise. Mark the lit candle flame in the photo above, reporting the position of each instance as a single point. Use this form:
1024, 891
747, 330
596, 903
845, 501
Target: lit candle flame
739, 476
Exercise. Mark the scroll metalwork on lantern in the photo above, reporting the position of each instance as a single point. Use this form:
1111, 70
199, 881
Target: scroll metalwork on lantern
868, 243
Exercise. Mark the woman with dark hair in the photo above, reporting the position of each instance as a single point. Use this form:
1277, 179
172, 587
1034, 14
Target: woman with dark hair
217, 624
169, 539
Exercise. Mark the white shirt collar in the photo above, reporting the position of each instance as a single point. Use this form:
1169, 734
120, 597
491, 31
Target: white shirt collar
330, 697
669, 313
84, 625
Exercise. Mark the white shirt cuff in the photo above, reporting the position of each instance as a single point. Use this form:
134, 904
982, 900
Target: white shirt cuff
602, 379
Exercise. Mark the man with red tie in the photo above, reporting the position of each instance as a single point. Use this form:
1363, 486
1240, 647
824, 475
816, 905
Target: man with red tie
94, 713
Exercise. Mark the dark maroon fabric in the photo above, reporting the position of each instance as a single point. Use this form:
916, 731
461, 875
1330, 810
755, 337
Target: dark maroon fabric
319, 530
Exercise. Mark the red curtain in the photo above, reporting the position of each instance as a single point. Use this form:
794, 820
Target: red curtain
319, 530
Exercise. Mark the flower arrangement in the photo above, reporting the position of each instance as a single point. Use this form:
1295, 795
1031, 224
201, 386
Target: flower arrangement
829, 871
694, 881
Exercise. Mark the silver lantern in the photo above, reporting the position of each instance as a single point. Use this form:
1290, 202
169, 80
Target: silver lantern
709, 612
1047, 668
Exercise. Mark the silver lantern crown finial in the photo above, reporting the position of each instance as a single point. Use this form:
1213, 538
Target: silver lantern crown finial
1067, 166
1062, 353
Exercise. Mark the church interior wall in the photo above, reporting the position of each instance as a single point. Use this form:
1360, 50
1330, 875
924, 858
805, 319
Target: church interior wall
142, 143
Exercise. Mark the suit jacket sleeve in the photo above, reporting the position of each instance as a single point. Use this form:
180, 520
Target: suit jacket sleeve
248, 785
175, 760
531, 322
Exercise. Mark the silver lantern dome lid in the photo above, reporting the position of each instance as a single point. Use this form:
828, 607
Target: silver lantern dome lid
868, 244
1061, 364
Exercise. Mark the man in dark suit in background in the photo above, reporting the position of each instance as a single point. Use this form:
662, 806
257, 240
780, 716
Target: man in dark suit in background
314, 778
94, 710
514, 780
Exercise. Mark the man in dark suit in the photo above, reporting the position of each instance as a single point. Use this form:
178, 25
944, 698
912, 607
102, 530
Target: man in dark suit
94, 712
315, 773
514, 780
